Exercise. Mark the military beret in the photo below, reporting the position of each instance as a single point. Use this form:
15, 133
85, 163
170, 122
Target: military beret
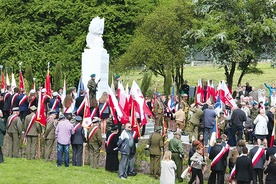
117, 76
93, 75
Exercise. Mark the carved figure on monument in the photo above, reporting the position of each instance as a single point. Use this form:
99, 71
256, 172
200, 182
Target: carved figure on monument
94, 36
93, 88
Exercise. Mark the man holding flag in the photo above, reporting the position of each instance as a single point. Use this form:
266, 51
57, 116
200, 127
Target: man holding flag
218, 155
33, 130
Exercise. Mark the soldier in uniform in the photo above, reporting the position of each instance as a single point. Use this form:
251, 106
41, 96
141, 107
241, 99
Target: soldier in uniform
2, 134
49, 134
186, 109
194, 122
175, 146
95, 142
14, 129
180, 117
32, 131
117, 79
158, 110
92, 86
155, 145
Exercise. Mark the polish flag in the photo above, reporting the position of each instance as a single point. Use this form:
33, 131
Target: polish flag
116, 109
225, 95
140, 103
199, 92
86, 122
3, 84
121, 94
21, 81
47, 85
134, 122
40, 113
272, 137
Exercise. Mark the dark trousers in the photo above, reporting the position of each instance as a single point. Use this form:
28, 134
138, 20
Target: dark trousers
1, 155
178, 161
216, 177
131, 160
196, 172
77, 154
231, 137
243, 182
258, 173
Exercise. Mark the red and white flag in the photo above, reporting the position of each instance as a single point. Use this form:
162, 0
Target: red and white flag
225, 95
272, 137
123, 101
199, 92
40, 113
140, 103
86, 122
47, 85
7, 79
21, 81
134, 122
116, 109
3, 83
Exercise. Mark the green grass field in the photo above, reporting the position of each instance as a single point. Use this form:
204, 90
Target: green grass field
21, 170
193, 73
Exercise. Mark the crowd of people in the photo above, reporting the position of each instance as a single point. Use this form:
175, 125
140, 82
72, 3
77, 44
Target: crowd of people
250, 122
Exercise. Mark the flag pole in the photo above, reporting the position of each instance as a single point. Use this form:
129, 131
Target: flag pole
38, 147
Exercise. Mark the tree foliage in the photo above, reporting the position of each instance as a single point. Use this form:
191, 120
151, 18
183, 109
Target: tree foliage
58, 77
234, 33
37, 32
158, 41
146, 81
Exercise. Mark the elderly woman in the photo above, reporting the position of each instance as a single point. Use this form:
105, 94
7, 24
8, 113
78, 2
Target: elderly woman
261, 130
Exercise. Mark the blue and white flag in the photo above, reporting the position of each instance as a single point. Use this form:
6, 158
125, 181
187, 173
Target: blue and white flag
172, 98
218, 106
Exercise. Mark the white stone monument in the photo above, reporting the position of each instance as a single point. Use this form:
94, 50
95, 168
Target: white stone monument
95, 58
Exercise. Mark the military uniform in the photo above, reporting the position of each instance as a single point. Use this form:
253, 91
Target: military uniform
155, 145
49, 137
32, 136
95, 143
92, 86
194, 123
180, 118
186, 109
175, 146
158, 112
14, 132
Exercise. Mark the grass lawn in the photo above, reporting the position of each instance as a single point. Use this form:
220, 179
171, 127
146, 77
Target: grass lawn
209, 72
21, 170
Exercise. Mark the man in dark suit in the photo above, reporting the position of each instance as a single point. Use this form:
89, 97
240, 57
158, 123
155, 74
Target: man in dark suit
271, 151
78, 107
244, 171
218, 166
236, 121
7, 103
77, 140
259, 165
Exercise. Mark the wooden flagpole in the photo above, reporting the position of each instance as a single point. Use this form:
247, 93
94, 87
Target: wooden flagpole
38, 147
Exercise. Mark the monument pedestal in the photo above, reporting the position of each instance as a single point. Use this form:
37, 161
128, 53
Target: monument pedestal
95, 60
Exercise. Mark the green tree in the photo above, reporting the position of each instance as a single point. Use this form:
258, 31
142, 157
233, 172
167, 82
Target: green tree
38, 32
146, 81
158, 41
58, 76
233, 33
29, 76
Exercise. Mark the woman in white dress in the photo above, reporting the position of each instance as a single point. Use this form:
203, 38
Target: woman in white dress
168, 168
